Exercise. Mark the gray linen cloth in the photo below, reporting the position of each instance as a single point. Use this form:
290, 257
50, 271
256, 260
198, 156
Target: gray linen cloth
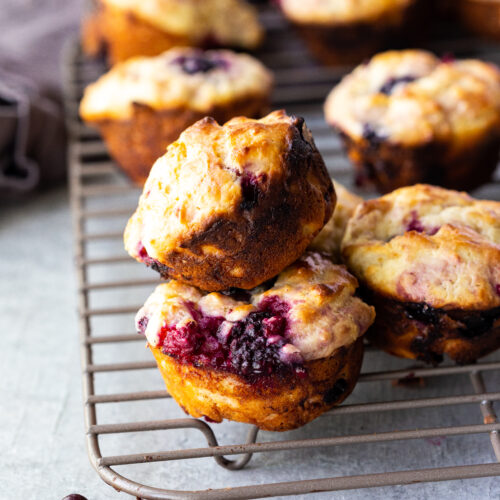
32, 132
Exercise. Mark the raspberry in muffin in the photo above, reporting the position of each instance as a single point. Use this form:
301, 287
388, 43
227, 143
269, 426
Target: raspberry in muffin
142, 105
330, 237
348, 31
232, 205
277, 356
428, 259
408, 117
129, 28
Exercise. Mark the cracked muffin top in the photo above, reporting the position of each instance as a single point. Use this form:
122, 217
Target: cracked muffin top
330, 237
411, 98
181, 78
232, 205
427, 244
227, 22
307, 314
340, 11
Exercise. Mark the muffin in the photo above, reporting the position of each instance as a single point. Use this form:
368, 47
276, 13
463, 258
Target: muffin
128, 28
142, 105
330, 237
481, 17
276, 357
408, 117
348, 31
428, 259
232, 205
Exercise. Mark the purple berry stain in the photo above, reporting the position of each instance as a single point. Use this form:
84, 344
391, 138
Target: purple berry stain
390, 84
250, 348
415, 224
250, 190
199, 63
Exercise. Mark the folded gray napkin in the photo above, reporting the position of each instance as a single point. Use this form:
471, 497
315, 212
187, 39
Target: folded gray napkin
32, 132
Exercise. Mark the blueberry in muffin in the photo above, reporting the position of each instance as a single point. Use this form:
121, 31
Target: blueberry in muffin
232, 205
348, 31
276, 356
142, 105
428, 259
408, 117
129, 28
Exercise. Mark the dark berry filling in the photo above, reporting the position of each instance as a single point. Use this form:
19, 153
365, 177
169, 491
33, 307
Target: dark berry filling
390, 84
472, 323
200, 63
497, 288
251, 348
335, 392
371, 135
142, 324
153, 263
250, 190
415, 224
238, 294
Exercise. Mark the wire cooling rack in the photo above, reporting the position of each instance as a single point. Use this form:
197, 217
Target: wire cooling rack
404, 423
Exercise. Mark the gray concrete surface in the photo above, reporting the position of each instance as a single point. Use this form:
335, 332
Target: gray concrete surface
41, 424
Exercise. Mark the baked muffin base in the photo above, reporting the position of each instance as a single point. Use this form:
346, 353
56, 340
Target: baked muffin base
418, 331
121, 34
390, 166
273, 404
351, 43
136, 143
481, 17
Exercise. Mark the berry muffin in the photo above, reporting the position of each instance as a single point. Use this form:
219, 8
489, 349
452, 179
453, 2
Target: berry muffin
481, 17
142, 105
128, 28
330, 237
428, 259
347, 31
409, 117
232, 205
277, 356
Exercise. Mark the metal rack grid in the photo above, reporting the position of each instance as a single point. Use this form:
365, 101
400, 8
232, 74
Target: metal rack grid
101, 201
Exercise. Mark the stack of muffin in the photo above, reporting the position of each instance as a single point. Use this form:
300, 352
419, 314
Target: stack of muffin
252, 326
258, 321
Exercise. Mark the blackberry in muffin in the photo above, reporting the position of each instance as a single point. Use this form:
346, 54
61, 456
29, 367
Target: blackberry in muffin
408, 117
129, 28
232, 205
330, 237
276, 356
428, 259
348, 31
142, 105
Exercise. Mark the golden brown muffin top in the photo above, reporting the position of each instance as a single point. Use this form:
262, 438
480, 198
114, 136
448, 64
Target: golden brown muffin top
330, 237
427, 244
315, 295
340, 11
186, 78
201, 178
411, 97
227, 22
